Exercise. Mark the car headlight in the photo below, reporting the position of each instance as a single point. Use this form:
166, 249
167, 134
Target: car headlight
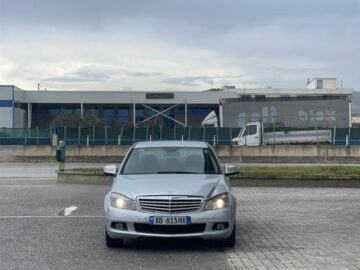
218, 202
121, 202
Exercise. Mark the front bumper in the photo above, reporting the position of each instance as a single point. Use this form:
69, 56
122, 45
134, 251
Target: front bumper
135, 217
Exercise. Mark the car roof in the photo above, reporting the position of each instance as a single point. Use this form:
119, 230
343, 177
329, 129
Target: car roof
192, 144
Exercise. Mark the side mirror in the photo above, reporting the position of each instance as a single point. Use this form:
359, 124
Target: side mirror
110, 169
231, 169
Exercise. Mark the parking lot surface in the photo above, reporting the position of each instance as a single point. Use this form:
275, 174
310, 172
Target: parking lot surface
277, 228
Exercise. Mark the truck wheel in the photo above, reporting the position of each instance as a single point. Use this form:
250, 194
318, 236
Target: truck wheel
113, 243
230, 241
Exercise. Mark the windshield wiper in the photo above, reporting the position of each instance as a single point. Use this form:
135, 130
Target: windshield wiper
176, 172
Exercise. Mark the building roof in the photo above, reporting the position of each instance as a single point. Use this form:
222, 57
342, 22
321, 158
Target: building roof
158, 97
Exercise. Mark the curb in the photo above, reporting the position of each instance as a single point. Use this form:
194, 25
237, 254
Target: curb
241, 180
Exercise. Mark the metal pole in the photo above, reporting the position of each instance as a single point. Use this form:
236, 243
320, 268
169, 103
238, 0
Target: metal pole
186, 114
82, 110
29, 115
79, 135
37, 135
121, 134
221, 115
349, 135
134, 132
93, 135
230, 129
134, 114
334, 138
106, 136
274, 132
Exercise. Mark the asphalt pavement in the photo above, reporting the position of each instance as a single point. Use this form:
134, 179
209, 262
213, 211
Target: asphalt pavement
277, 228
34, 236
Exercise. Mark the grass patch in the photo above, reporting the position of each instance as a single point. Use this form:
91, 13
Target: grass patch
316, 170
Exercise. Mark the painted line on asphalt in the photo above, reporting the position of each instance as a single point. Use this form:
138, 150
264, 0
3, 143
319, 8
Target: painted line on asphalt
67, 211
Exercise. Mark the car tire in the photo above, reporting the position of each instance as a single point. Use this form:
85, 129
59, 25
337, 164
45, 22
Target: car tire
231, 240
113, 243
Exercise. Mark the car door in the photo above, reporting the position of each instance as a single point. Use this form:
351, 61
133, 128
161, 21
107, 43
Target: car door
251, 135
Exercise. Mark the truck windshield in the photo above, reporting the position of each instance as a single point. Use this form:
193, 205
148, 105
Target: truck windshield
171, 160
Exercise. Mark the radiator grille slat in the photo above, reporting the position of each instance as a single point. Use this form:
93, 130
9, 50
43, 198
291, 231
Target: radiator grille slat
170, 204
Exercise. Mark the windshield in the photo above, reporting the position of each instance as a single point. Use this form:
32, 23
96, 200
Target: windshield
171, 160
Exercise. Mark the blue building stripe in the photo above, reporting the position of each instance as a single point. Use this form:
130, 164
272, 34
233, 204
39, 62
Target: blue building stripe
6, 103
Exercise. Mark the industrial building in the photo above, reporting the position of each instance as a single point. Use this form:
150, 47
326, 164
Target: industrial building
33, 108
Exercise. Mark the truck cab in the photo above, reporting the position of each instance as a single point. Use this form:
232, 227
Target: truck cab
250, 135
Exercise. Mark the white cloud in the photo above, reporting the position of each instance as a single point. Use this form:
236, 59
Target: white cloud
180, 45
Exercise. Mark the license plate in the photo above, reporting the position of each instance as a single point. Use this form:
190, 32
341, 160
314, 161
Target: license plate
156, 220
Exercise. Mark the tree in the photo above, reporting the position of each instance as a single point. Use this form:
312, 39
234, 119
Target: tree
65, 119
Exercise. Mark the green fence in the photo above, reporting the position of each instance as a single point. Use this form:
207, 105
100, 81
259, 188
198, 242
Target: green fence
129, 135
20, 136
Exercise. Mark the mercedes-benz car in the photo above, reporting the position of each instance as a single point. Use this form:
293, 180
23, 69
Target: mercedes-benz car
170, 189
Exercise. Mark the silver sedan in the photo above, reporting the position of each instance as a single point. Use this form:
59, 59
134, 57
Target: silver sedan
170, 189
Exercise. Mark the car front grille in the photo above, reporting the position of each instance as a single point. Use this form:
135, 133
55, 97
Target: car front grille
170, 204
169, 229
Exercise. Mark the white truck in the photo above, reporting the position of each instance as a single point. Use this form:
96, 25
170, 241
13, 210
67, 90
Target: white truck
252, 134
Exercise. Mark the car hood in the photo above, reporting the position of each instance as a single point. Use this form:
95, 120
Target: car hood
201, 185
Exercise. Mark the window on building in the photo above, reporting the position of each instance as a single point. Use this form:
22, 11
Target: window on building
108, 115
123, 115
72, 110
169, 122
93, 111
139, 115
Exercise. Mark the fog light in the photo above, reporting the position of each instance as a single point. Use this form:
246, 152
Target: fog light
220, 226
120, 226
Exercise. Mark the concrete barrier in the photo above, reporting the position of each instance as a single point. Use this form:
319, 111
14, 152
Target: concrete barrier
84, 177
258, 154
76, 176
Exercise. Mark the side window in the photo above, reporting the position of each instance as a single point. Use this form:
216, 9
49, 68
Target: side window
250, 130
210, 163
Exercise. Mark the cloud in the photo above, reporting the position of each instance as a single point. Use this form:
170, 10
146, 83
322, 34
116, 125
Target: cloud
84, 74
181, 45
145, 74
195, 81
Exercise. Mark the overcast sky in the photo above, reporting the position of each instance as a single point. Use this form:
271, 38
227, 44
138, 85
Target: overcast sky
177, 45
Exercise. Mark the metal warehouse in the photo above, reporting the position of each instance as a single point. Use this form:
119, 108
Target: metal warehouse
31, 108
